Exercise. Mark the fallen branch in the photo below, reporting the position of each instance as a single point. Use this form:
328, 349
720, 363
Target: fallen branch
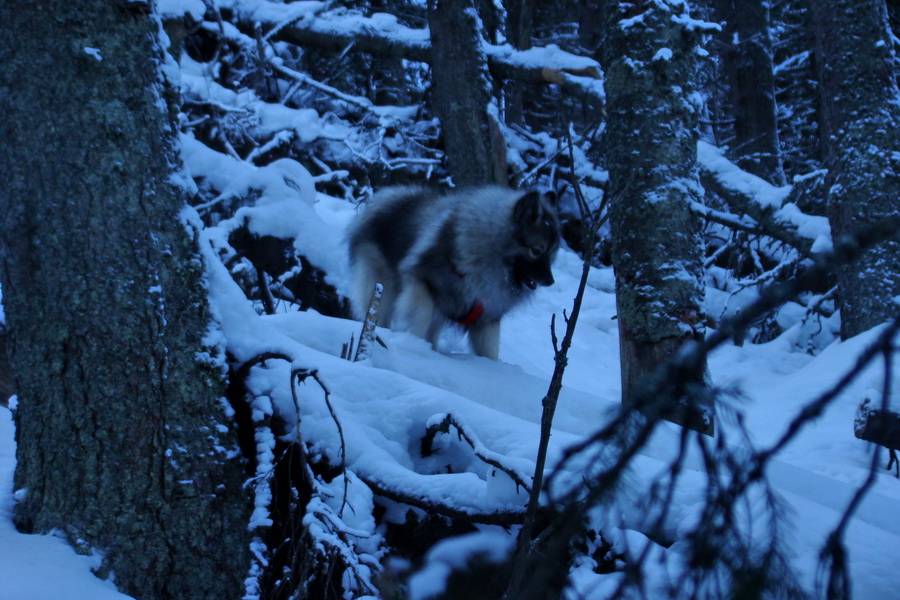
382, 36
299, 375
431, 505
732, 221
304, 79
470, 438
718, 175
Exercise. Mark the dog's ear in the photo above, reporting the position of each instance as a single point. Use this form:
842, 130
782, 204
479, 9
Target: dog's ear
529, 208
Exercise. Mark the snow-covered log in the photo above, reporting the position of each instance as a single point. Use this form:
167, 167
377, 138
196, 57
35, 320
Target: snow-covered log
763, 207
383, 36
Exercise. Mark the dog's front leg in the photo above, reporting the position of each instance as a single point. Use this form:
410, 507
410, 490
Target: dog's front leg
484, 336
415, 308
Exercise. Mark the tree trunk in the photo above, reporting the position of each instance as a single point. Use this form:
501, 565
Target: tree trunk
651, 152
520, 23
123, 442
747, 59
461, 93
861, 126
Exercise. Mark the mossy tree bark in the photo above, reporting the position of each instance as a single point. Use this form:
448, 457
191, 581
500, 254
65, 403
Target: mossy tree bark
123, 441
461, 95
861, 133
650, 148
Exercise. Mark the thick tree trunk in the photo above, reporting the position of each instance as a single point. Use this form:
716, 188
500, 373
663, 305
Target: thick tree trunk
123, 443
461, 92
748, 61
861, 128
651, 151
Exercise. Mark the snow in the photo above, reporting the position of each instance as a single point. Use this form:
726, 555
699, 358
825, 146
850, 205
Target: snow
763, 192
94, 52
178, 8
663, 54
549, 56
39, 567
264, 11
374, 414
766, 195
489, 546
384, 406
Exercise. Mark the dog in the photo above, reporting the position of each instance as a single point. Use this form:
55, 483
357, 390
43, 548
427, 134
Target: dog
466, 258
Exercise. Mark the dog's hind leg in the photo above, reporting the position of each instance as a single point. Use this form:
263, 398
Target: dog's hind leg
415, 308
484, 336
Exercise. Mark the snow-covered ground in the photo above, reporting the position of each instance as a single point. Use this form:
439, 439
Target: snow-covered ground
385, 404
39, 567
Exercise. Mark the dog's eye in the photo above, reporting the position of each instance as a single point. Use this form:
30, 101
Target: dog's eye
535, 252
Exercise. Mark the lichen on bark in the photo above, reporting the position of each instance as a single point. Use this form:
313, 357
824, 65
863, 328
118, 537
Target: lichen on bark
122, 440
650, 149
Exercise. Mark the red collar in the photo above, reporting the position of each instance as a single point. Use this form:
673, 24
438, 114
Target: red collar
477, 309
472, 317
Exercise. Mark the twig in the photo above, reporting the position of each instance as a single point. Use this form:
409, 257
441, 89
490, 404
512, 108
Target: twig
355, 101
299, 375
525, 544
367, 336
838, 581
470, 438
264, 291
282, 137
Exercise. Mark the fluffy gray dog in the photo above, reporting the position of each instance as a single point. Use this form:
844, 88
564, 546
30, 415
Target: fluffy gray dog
466, 257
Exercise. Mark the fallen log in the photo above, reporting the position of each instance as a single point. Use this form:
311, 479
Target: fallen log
383, 36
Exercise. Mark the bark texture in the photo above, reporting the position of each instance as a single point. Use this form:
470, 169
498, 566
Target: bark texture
461, 95
861, 126
747, 59
123, 442
651, 152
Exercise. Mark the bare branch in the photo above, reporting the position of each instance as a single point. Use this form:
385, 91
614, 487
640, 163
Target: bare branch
470, 438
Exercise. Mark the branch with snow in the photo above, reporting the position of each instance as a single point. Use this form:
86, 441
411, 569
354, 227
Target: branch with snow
441, 424
382, 35
762, 207
435, 506
736, 480
367, 336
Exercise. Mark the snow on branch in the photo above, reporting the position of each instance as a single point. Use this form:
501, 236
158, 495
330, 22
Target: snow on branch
763, 207
382, 35
447, 509
442, 423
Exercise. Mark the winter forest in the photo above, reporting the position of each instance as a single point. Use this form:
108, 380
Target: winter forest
700, 406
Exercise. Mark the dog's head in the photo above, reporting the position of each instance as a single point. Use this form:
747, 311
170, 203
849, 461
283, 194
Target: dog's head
536, 227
